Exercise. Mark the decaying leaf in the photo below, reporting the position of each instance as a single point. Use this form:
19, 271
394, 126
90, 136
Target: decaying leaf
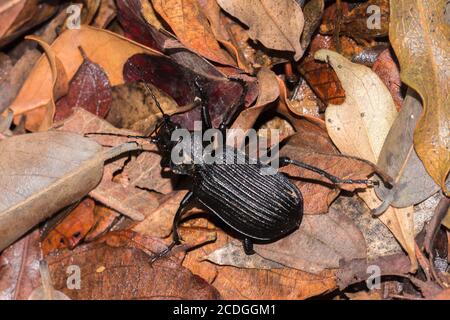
43, 173
277, 25
365, 20
313, 11
420, 42
89, 89
412, 184
117, 269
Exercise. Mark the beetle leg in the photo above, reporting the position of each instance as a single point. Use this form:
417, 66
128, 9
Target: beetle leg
284, 161
248, 246
206, 118
176, 236
233, 112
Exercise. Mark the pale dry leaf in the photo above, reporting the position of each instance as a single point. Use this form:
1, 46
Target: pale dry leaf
359, 127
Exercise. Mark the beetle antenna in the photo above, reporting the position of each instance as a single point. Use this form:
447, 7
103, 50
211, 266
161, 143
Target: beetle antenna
149, 90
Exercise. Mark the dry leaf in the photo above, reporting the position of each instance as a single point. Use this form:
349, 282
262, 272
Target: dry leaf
43, 173
320, 243
72, 229
421, 45
107, 49
412, 184
191, 26
277, 25
118, 191
89, 89
19, 266
126, 272
360, 126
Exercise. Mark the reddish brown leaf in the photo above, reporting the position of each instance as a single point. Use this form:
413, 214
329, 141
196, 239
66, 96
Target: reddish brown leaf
119, 268
89, 89
389, 72
19, 268
72, 229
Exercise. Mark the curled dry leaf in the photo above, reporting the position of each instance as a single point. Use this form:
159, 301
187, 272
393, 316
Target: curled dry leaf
118, 268
320, 243
89, 89
412, 184
108, 50
192, 28
313, 11
421, 45
276, 24
359, 128
268, 93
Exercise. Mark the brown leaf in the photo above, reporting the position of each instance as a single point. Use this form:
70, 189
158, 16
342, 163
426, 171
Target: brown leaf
106, 13
120, 269
389, 72
313, 11
360, 21
248, 284
89, 89
320, 243
421, 45
119, 192
43, 173
104, 219
19, 268
277, 25
72, 229
321, 77
192, 28
98, 44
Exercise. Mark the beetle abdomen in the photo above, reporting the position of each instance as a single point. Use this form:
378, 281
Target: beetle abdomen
262, 207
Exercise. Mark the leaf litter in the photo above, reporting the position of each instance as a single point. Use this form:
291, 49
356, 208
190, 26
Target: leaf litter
356, 101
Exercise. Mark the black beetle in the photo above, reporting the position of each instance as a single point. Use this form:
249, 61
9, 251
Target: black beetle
258, 207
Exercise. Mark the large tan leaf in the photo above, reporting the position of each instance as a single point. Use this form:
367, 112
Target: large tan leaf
360, 125
105, 48
419, 35
42, 173
276, 24
359, 128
